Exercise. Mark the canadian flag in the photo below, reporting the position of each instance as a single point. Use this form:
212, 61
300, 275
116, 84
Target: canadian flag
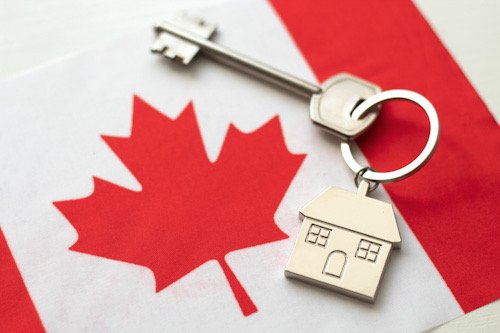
140, 196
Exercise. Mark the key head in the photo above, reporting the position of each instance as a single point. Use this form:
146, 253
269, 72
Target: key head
331, 109
176, 48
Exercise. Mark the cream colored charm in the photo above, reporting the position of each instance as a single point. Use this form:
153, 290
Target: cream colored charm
344, 242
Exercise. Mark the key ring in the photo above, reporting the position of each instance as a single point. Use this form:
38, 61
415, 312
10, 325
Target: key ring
409, 169
372, 185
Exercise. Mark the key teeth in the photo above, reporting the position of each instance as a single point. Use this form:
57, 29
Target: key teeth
157, 47
160, 45
177, 48
169, 54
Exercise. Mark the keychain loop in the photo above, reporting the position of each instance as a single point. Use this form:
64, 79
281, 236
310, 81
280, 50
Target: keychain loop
409, 169
359, 177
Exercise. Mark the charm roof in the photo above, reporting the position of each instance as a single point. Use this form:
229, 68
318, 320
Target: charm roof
354, 212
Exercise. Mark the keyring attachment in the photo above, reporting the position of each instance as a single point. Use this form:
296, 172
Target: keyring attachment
372, 185
409, 169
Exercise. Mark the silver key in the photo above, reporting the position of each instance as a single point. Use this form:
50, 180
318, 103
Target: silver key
331, 104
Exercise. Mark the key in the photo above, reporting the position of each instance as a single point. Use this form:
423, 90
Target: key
331, 104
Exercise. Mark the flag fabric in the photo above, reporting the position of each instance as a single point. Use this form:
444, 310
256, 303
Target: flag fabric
139, 195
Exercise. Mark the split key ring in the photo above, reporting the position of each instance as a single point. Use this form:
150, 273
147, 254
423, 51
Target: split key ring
391, 176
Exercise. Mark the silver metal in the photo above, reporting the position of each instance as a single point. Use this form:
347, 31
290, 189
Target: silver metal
344, 242
363, 188
422, 158
233, 57
330, 105
331, 110
178, 49
361, 182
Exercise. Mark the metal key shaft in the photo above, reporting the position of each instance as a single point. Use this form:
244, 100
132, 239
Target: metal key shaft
331, 104
241, 61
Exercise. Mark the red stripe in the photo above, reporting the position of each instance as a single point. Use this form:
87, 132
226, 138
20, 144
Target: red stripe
452, 203
17, 312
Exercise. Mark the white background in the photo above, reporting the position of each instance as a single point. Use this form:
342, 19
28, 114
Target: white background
34, 32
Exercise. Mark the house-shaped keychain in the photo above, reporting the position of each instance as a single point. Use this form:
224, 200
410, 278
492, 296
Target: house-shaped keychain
344, 243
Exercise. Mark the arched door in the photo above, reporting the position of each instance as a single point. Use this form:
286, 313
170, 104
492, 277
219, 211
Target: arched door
335, 263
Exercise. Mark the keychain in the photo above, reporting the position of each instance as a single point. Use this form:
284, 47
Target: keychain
346, 238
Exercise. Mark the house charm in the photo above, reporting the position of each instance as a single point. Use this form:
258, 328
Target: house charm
344, 242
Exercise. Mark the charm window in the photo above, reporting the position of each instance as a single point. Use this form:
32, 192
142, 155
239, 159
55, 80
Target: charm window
368, 250
318, 235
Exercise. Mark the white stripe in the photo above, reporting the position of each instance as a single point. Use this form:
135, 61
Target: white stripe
470, 31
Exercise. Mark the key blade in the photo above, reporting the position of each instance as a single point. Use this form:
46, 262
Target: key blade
176, 48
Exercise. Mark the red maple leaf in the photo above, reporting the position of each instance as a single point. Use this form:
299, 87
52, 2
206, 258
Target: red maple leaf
189, 210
